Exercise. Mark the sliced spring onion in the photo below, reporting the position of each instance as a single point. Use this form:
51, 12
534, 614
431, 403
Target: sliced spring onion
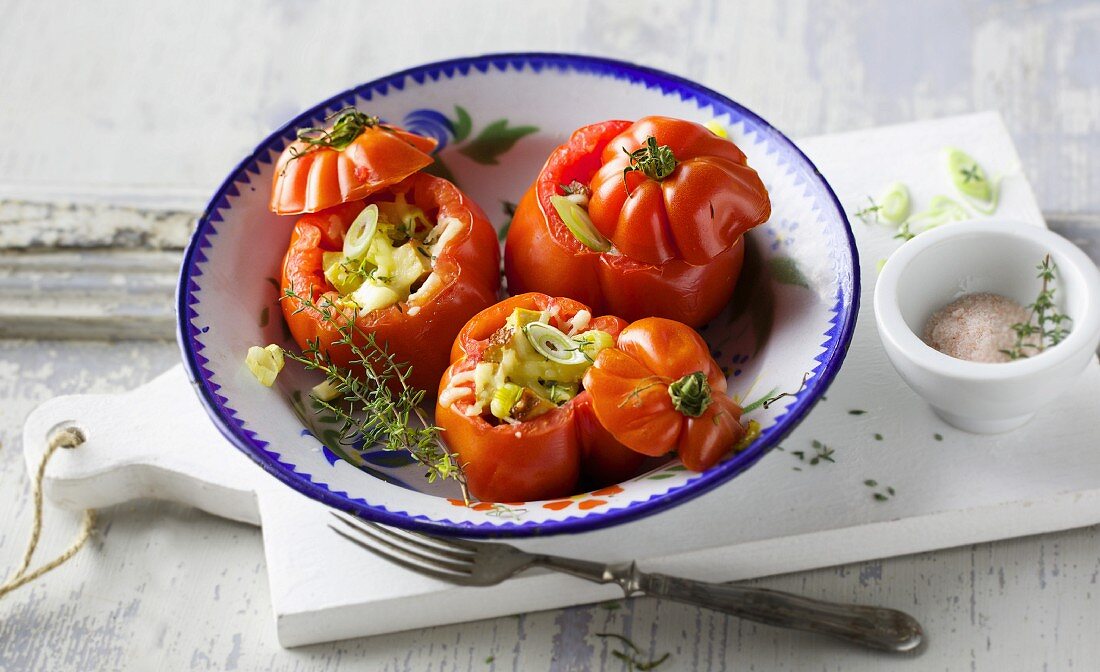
968, 176
894, 204
361, 232
265, 363
580, 224
504, 398
554, 345
592, 342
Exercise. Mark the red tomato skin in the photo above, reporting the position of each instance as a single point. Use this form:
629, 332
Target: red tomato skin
468, 266
675, 259
310, 179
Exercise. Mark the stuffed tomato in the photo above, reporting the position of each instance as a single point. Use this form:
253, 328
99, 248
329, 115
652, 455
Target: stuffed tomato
409, 265
513, 407
638, 219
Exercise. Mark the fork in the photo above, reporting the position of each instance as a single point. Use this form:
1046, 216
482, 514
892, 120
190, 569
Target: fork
480, 563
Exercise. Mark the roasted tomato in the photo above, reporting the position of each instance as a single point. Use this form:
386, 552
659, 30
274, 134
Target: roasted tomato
355, 158
659, 390
453, 280
512, 407
638, 219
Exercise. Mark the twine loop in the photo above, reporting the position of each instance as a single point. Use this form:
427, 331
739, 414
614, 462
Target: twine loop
63, 437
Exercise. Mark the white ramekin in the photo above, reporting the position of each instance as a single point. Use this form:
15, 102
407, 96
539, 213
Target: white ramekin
940, 265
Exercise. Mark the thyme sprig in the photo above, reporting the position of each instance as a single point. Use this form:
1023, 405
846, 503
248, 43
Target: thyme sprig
1044, 318
380, 406
349, 125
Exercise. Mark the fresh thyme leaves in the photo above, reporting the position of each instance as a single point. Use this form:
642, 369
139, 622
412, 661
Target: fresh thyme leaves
937, 436
349, 125
611, 606
878, 437
822, 453
1044, 319
868, 215
629, 655
379, 406
655, 162
880, 495
772, 400
856, 411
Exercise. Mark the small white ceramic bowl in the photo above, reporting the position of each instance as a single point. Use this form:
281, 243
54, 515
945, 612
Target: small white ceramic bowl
937, 267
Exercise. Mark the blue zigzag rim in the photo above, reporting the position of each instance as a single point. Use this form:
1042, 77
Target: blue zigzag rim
838, 337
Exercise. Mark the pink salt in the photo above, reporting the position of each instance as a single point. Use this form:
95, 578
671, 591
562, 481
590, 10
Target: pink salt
976, 327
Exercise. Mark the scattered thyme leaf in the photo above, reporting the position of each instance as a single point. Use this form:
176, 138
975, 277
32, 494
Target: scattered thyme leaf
878, 437
856, 411
621, 638
880, 497
870, 483
937, 436
629, 656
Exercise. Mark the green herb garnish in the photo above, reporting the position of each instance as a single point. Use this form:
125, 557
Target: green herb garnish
1044, 319
377, 406
628, 656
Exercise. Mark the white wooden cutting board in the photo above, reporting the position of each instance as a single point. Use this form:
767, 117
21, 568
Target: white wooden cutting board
782, 515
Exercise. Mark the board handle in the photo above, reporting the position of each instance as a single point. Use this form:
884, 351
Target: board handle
155, 441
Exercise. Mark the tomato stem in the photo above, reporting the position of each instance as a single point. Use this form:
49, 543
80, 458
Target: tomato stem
656, 162
691, 394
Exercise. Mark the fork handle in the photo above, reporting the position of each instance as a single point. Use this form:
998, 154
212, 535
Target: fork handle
873, 627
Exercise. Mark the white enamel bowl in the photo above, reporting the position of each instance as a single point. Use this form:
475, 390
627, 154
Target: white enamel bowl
497, 118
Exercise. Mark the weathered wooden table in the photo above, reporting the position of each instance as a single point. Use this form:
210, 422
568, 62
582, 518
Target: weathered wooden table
151, 105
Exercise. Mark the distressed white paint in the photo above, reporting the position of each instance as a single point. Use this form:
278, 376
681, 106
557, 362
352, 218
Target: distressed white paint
109, 99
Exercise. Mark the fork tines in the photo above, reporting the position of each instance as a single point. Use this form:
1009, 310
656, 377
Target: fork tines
445, 559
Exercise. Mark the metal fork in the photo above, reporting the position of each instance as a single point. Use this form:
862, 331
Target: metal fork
480, 563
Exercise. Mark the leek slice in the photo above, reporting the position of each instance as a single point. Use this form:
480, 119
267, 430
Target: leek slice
553, 344
580, 224
361, 232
